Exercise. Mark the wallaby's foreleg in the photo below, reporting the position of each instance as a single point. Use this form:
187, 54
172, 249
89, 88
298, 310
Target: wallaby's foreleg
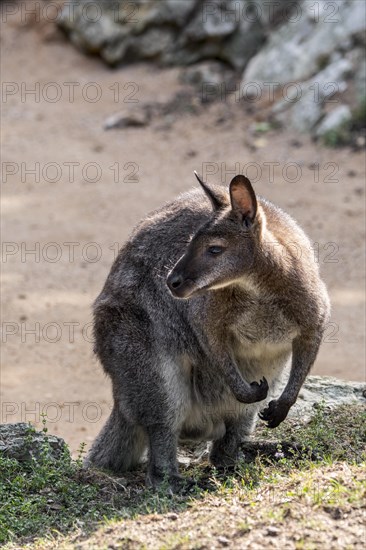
304, 352
119, 446
226, 451
242, 390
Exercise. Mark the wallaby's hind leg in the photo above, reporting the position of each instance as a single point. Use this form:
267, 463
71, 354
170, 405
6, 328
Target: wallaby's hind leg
119, 446
149, 392
225, 451
163, 464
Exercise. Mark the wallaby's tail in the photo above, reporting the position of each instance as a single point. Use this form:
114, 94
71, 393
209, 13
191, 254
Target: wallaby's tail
119, 445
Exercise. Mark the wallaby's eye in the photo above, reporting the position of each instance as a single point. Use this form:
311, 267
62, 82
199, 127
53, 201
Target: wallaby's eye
214, 250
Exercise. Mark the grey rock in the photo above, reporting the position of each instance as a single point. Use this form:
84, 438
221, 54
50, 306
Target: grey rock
306, 113
137, 118
212, 80
92, 37
273, 531
274, 43
299, 114
271, 14
296, 50
279, 60
152, 43
334, 120
94, 32
207, 72
328, 390
212, 20
240, 47
333, 74
186, 53
21, 442
157, 12
303, 111
116, 51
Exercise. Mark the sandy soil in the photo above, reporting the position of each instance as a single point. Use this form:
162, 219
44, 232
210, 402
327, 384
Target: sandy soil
50, 292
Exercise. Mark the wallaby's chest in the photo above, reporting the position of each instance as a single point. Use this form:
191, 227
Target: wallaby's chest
259, 327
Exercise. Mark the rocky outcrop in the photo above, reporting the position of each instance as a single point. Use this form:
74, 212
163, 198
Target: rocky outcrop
301, 54
171, 32
329, 391
300, 47
305, 108
336, 119
22, 442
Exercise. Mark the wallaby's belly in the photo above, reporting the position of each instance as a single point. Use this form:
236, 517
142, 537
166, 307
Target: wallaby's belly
211, 405
202, 424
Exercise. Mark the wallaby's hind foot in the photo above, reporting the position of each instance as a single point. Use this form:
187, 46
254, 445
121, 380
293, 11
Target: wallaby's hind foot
163, 465
118, 447
226, 452
173, 483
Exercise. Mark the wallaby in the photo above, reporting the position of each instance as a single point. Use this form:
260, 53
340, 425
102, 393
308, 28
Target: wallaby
198, 318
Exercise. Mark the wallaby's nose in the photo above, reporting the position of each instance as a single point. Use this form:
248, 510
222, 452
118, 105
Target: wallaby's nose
174, 281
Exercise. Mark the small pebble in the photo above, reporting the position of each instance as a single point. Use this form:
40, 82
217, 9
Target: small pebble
125, 120
223, 540
98, 148
273, 531
296, 143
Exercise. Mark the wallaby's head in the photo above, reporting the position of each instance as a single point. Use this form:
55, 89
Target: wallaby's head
223, 250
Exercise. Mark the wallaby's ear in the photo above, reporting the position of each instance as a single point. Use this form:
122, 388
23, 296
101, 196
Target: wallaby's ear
243, 199
216, 201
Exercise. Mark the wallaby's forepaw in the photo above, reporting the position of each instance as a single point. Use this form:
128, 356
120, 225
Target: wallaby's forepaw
275, 413
259, 390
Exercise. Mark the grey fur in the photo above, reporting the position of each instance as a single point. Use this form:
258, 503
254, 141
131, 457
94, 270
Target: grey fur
188, 361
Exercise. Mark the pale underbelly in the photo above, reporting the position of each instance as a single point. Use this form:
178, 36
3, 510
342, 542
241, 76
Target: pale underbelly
205, 420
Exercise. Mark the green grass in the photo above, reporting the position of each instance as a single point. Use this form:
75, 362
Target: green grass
44, 496
338, 137
359, 115
334, 435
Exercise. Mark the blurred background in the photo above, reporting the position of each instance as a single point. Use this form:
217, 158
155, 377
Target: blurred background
109, 106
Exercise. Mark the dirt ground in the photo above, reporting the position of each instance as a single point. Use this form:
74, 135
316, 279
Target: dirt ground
74, 225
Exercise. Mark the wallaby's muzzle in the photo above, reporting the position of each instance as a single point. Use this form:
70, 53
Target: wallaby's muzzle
179, 286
